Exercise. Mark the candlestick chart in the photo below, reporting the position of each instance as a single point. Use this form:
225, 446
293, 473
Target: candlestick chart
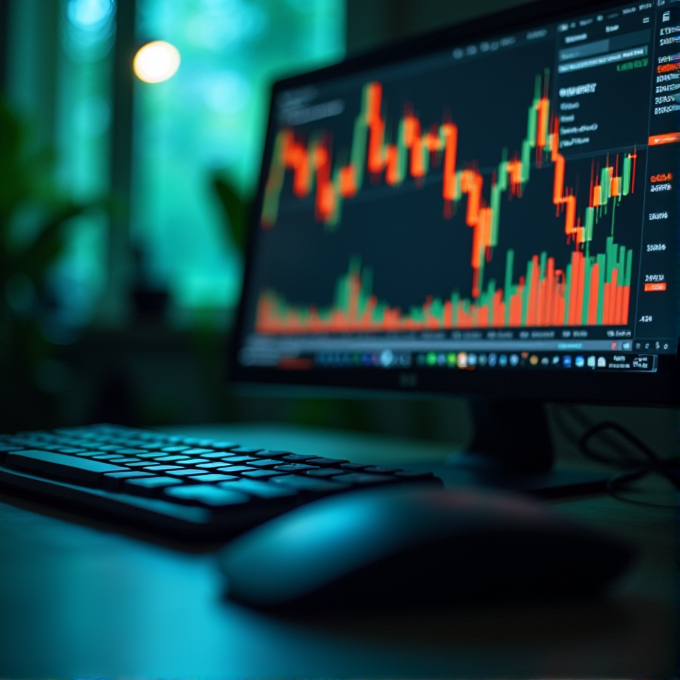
579, 286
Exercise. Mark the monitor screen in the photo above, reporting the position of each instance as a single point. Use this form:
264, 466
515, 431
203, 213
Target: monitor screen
488, 210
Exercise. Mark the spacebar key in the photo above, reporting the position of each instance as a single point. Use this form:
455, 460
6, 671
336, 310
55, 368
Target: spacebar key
76, 469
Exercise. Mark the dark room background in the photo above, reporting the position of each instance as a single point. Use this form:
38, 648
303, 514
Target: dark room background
119, 268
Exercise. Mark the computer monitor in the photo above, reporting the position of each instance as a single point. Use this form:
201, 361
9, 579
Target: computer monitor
487, 211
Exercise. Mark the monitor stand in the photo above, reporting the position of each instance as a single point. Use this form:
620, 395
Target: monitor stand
512, 449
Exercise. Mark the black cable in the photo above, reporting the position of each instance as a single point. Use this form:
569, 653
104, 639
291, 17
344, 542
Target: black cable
623, 478
584, 422
627, 459
664, 467
633, 468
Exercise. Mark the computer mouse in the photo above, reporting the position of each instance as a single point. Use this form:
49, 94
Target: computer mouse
423, 547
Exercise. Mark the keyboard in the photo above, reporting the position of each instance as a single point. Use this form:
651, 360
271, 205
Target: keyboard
185, 486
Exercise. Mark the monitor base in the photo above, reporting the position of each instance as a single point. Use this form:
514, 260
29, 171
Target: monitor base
471, 470
512, 449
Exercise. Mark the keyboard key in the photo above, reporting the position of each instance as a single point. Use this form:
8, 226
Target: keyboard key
327, 461
128, 452
170, 459
147, 485
295, 457
263, 474
70, 467
267, 462
270, 454
114, 480
326, 472
382, 470
72, 450
107, 456
215, 455
362, 478
244, 450
354, 466
174, 449
196, 452
240, 459
308, 484
223, 445
162, 468
185, 473
65, 443
213, 478
191, 461
259, 489
234, 469
6, 448
193, 441
22, 441
211, 466
206, 494
294, 467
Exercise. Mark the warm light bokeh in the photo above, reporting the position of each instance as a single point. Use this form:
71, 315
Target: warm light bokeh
156, 61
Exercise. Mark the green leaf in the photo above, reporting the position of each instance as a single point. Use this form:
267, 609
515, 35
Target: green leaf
236, 209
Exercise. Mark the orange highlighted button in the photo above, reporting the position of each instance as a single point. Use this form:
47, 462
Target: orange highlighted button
669, 138
654, 286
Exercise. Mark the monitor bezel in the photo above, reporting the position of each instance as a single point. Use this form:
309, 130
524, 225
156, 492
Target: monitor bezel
661, 388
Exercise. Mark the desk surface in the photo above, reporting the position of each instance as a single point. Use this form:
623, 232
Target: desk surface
79, 599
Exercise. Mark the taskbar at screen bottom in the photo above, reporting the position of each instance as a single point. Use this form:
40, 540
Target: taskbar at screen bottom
390, 359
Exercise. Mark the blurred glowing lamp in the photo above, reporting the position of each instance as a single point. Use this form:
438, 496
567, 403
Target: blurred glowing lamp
156, 61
